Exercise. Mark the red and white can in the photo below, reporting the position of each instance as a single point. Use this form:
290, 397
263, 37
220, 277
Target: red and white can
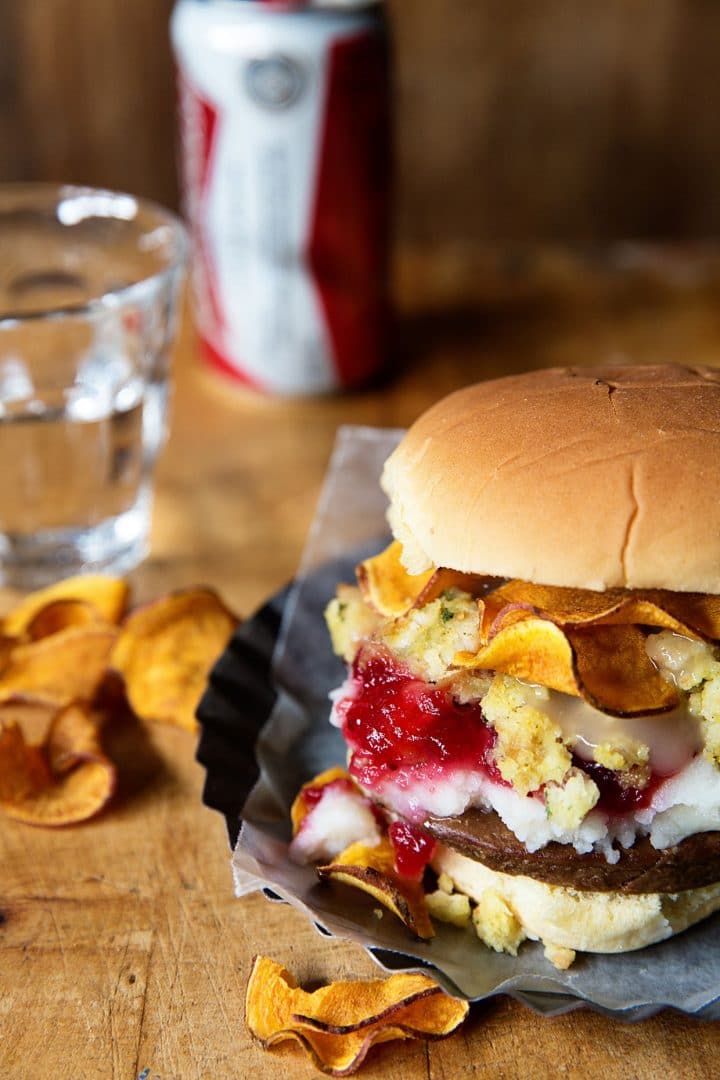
285, 134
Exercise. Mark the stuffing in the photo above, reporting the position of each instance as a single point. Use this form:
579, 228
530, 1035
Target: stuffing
559, 956
569, 802
428, 638
693, 666
529, 751
451, 908
623, 755
684, 661
496, 924
350, 620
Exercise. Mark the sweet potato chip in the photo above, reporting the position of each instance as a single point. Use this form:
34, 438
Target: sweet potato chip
615, 674
607, 665
390, 590
338, 1024
300, 808
533, 649
372, 869
107, 594
67, 666
442, 580
386, 584
338, 1055
23, 769
165, 652
31, 716
333, 1010
7, 644
698, 612
66, 780
690, 614
429, 1014
494, 619
60, 615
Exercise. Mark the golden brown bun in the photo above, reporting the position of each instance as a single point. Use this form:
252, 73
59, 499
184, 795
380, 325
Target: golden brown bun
587, 477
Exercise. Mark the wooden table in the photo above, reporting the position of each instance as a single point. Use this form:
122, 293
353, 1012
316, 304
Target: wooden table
122, 950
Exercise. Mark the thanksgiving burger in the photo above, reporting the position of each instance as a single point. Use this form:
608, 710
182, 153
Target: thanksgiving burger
533, 688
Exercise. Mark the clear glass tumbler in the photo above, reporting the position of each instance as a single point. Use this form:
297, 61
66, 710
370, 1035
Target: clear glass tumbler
88, 309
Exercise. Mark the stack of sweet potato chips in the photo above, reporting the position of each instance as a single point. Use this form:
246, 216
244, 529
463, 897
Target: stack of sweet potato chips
337, 1024
71, 658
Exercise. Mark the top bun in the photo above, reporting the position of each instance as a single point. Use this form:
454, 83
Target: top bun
588, 477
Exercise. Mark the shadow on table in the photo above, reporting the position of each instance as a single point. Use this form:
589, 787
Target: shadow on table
141, 769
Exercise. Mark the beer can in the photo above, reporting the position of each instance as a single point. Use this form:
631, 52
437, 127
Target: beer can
285, 147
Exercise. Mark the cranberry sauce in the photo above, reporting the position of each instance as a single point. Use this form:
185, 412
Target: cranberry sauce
396, 721
413, 849
615, 798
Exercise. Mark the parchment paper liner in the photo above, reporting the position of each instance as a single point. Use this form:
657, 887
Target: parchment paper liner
266, 711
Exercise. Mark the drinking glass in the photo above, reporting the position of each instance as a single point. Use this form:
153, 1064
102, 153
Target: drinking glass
89, 285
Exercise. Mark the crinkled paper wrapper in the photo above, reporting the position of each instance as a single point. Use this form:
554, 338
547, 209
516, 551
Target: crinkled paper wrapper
266, 712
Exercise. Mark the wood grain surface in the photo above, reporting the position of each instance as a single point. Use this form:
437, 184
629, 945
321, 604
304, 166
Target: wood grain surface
552, 118
123, 953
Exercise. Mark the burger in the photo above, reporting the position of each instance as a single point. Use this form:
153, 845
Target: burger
533, 687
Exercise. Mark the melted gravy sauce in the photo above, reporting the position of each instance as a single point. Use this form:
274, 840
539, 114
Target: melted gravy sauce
673, 738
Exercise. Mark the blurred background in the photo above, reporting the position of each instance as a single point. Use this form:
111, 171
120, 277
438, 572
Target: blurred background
558, 120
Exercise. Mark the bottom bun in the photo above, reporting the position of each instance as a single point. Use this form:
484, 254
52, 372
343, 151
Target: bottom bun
512, 908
